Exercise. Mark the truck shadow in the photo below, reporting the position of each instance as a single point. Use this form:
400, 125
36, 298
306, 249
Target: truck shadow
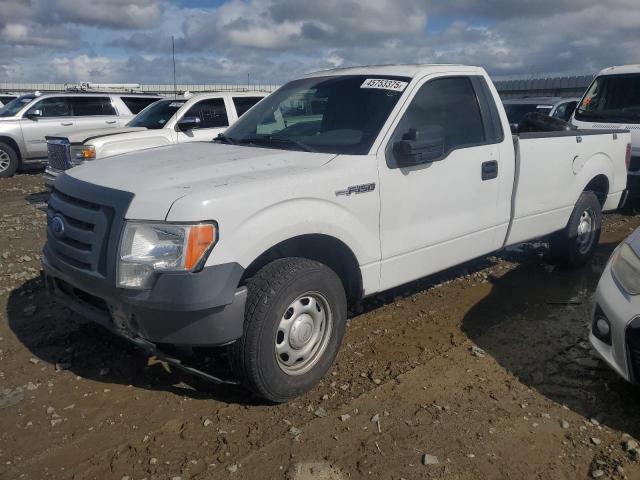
534, 323
56, 335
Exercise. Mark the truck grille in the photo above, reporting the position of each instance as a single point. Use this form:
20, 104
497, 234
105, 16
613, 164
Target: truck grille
77, 231
58, 153
633, 349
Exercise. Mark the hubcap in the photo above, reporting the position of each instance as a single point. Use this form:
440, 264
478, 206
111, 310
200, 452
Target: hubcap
586, 231
303, 333
5, 161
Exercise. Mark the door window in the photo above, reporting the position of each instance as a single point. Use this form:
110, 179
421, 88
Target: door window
92, 106
52, 107
449, 105
244, 103
212, 113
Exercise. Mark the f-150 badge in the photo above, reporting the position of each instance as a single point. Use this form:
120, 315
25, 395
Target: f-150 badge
357, 189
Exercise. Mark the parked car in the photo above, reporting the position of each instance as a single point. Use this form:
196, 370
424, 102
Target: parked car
613, 101
555, 107
615, 326
5, 98
339, 185
26, 120
197, 118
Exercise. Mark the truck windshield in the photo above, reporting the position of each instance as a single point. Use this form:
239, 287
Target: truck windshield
157, 114
15, 105
613, 99
332, 114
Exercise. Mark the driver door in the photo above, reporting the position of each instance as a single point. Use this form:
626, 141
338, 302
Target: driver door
213, 119
442, 213
54, 119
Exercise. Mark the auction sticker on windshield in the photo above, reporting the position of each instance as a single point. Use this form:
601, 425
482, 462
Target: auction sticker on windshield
384, 84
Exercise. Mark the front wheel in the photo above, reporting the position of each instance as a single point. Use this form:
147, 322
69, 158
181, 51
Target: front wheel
8, 160
574, 245
294, 323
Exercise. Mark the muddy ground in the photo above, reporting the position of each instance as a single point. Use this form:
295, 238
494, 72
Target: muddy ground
531, 401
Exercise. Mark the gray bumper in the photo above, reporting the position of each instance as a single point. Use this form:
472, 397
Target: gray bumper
193, 309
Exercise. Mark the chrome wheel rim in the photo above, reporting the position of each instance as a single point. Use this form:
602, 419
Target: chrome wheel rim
303, 333
586, 231
5, 161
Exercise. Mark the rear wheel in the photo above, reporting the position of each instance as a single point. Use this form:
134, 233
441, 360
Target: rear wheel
574, 245
8, 160
294, 323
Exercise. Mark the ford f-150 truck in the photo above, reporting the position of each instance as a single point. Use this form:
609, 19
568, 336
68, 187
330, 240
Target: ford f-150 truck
339, 185
195, 118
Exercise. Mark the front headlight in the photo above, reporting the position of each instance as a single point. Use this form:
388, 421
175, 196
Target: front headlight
625, 267
146, 248
82, 153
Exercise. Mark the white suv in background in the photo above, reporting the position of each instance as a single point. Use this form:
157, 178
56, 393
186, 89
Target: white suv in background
199, 117
26, 120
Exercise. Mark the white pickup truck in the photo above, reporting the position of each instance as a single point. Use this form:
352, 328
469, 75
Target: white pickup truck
198, 117
613, 101
339, 185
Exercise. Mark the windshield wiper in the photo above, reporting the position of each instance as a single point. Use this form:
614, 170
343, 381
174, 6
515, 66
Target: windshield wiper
222, 138
272, 140
290, 141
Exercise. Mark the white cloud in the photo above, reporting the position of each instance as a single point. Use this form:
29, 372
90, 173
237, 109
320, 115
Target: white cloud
273, 40
110, 13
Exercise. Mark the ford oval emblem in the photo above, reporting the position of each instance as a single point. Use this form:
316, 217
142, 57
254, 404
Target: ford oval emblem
57, 226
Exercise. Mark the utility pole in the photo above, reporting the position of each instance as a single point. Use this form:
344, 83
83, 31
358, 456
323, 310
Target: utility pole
173, 55
248, 82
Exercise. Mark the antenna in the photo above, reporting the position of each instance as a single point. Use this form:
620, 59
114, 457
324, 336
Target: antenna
173, 55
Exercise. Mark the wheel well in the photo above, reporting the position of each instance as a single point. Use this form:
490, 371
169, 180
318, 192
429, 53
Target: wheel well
322, 248
600, 186
12, 143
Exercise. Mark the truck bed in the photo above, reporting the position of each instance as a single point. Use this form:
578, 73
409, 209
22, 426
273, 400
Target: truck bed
564, 163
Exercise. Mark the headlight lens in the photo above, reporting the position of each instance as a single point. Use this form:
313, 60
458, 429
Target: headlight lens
82, 153
626, 269
147, 248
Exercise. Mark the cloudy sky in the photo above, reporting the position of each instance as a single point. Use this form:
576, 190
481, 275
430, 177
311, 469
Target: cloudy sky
274, 40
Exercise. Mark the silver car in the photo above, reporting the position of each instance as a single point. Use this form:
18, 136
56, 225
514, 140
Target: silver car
615, 326
28, 119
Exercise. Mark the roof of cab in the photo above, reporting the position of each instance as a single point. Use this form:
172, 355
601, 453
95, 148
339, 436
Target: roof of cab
620, 70
400, 70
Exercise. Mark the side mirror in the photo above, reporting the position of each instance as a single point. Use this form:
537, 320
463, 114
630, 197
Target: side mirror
420, 145
34, 114
187, 123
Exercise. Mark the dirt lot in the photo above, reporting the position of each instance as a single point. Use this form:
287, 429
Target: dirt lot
486, 367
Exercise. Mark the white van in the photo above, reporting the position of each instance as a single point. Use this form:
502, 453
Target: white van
613, 101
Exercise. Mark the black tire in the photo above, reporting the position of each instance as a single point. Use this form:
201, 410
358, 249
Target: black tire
271, 294
567, 247
14, 160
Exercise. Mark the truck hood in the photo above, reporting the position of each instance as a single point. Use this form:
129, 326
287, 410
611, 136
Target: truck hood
159, 176
85, 135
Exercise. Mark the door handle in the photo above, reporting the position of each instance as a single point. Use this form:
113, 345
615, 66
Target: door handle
489, 170
111, 122
66, 124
